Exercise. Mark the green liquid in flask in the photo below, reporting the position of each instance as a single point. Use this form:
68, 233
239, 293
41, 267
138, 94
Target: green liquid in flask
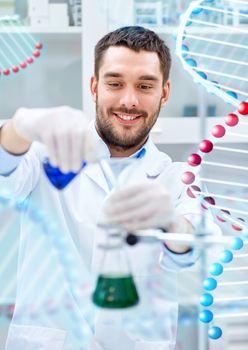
115, 292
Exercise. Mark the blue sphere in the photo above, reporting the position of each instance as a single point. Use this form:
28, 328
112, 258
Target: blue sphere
197, 10
185, 48
215, 333
21, 204
216, 269
232, 93
191, 62
226, 256
202, 75
206, 316
209, 283
216, 84
237, 243
206, 299
37, 215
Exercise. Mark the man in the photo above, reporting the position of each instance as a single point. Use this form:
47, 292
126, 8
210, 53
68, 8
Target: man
129, 87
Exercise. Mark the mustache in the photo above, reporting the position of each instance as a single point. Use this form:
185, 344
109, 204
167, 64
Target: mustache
129, 111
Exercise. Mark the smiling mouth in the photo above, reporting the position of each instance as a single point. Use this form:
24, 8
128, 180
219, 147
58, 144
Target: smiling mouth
126, 117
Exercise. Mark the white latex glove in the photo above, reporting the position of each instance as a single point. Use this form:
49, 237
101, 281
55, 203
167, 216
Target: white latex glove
140, 206
63, 130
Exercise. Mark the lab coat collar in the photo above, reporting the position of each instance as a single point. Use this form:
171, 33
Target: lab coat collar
150, 166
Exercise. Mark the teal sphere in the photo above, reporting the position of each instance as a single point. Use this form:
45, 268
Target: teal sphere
206, 299
215, 333
206, 316
209, 283
226, 256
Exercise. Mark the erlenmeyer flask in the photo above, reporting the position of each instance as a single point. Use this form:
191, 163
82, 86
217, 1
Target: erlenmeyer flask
115, 288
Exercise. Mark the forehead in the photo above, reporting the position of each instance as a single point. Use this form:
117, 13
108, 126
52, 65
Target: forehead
125, 61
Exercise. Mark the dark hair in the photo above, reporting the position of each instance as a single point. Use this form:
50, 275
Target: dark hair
135, 38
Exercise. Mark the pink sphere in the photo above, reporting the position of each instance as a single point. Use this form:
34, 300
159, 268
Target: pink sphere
243, 108
38, 46
231, 119
224, 211
238, 228
188, 177
30, 60
15, 69
218, 131
23, 64
190, 193
220, 218
209, 200
36, 53
206, 146
194, 159
6, 71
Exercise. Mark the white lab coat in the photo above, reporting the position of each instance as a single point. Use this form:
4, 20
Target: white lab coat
77, 210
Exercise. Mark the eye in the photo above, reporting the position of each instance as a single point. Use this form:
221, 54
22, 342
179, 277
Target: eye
145, 87
114, 85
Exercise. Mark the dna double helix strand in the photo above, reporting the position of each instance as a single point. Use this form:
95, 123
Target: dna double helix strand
216, 57
18, 48
66, 290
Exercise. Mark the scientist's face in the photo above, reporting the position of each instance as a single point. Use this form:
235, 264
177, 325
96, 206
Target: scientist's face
128, 94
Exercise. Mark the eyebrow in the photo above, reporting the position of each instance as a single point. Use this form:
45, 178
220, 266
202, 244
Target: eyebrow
142, 77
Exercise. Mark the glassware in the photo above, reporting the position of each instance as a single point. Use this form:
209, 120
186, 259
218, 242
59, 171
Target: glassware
115, 288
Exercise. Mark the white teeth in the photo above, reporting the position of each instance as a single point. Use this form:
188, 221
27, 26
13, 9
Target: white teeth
125, 117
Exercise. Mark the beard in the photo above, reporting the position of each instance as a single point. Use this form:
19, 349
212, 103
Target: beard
127, 138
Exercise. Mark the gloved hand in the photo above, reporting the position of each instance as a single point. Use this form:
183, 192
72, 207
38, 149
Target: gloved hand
140, 206
63, 130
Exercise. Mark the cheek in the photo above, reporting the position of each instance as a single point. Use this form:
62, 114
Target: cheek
106, 99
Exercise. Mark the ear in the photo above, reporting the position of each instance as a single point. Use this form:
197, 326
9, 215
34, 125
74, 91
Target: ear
165, 93
93, 87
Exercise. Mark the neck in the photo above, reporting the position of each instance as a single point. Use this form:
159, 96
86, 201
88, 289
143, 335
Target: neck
118, 152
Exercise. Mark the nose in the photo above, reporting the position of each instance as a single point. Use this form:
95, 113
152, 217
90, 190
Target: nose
129, 98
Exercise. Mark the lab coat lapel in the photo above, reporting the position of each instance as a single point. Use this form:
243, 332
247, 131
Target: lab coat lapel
94, 172
154, 161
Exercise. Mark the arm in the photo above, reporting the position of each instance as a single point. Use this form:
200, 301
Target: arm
63, 130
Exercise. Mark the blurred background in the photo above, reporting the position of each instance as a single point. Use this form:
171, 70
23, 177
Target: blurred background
69, 30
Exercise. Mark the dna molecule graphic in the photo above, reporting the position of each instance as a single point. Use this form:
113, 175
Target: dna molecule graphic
211, 53
18, 48
64, 304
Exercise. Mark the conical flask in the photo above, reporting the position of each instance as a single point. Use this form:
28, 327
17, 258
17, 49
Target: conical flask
115, 288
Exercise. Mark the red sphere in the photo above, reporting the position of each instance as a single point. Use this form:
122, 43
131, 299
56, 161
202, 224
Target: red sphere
191, 193
23, 64
224, 211
218, 131
194, 159
188, 177
206, 146
220, 218
231, 119
30, 60
38, 46
238, 228
209, 200
15, 69
36, 53
243, 108
6, 71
